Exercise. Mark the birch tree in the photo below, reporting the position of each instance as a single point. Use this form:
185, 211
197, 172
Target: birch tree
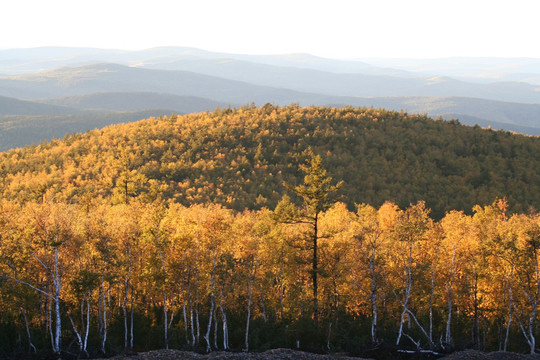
410, 228
46, 234
372, 225
527, 269
126, 235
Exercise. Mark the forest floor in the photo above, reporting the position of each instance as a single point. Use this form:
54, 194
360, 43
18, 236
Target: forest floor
287, 354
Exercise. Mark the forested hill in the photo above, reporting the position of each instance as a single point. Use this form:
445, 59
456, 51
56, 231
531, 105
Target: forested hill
240, 158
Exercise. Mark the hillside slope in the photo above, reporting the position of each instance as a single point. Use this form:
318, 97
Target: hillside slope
11, 106
134, 101
241, 159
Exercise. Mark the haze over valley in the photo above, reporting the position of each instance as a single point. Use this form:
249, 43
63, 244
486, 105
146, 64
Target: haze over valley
65, 88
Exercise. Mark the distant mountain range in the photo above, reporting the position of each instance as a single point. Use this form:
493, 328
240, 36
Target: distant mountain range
80, 83
134, 101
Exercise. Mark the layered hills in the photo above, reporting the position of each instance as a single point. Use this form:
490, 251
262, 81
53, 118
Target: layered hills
497, 93
241, 158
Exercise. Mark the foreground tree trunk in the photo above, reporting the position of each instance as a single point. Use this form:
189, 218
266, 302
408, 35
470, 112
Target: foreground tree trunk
212, 305
102, 311
251, 271
57, 283
510, 305
225, 324
53, 297
31, 347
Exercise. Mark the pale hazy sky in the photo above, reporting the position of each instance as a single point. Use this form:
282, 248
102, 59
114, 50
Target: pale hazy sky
330, 28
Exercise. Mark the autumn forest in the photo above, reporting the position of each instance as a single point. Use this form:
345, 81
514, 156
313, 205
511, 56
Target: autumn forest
324, 229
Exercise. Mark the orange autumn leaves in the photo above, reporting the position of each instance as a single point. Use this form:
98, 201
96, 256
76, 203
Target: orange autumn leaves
398, 272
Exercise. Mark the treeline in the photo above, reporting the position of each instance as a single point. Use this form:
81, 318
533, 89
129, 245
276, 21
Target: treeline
240, 158
100, 278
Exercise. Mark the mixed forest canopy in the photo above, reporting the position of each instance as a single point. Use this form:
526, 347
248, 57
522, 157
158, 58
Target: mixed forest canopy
324, 229
241, 158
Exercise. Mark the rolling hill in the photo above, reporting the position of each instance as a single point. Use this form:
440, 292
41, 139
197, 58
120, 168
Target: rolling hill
240, 158
135, 101
11, 106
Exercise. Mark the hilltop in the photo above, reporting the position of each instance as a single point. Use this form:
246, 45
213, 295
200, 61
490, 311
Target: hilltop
240, 158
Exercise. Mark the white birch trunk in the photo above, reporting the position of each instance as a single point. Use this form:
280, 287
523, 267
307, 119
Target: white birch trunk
373, 295
82, 338
57, 281
450, 301
510, 304
534, 306
215, 329
209, 327
225, 330
224, 321
131, 320
192, 326
103, 329
402, 321
250, 292
197, 322
50, 321
53, 296
431, 297
212, 305
263, 306
79, 337
87, 329
185, 318
405, 303
124, 310
335, 318
281, 292
165, 309
527, 328
166, 320
31, 346
197, 326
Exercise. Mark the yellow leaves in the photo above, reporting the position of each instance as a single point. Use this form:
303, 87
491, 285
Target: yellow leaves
337, 225
456, 225
367, 218
526, 232
167, 246
387, 215
338, 230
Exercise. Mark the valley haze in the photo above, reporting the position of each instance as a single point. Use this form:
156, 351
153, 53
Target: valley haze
47, 92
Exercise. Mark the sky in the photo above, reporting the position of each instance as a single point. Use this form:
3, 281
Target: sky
342, 29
